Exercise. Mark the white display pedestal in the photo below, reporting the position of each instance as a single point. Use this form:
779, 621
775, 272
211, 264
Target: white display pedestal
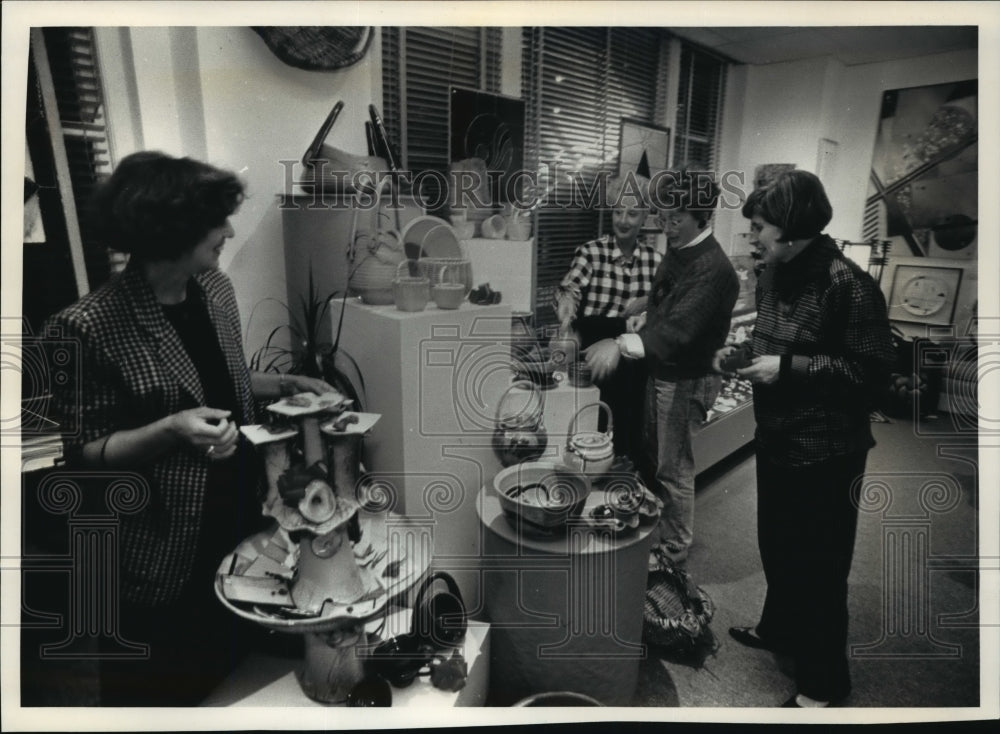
436, 377
508, 266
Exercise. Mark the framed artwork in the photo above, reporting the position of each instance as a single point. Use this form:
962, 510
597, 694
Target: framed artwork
924, 294
488, 127
923, 187
643, 148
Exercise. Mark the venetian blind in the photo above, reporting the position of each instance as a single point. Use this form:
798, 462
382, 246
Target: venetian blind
419, 66
79, 97
701, 87
577, 84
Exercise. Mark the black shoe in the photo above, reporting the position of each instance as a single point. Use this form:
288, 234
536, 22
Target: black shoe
748, 636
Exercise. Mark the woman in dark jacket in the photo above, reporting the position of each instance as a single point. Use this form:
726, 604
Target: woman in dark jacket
821, 349
163, 386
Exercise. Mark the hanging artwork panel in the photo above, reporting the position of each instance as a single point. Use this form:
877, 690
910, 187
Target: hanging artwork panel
923, 186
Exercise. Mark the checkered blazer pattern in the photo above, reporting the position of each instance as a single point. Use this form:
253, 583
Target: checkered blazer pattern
598, 276
134, 371
827, 320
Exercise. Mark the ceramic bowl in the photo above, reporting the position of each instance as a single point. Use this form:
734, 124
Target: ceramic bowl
448, 295
542, 494
447, 269
494, 227
518, 228
429, 236
411, 293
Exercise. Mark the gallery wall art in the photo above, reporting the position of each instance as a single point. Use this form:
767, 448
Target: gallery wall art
923, 186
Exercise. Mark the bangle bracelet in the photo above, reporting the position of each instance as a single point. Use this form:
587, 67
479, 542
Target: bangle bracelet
281, 384
104, 448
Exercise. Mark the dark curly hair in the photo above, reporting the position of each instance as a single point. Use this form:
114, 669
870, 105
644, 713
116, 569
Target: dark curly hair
796, 202
157, 207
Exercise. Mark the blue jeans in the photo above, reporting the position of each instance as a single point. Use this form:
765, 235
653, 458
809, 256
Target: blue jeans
674, 410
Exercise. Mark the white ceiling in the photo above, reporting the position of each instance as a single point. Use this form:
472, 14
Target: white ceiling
849, 44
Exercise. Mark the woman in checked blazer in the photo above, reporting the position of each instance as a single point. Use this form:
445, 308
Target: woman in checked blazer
164, 386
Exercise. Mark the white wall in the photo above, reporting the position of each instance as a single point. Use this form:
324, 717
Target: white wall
218, 93
787, 108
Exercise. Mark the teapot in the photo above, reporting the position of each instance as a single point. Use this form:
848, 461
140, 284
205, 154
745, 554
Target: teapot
520, 436
590, 452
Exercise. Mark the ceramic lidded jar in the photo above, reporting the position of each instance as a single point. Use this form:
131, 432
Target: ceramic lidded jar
519, 435
590, 452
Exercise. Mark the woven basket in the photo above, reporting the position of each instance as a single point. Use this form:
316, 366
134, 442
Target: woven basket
317, 48
676, 613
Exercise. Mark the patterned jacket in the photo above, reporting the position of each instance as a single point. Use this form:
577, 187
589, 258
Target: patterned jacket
134, 370
826, 319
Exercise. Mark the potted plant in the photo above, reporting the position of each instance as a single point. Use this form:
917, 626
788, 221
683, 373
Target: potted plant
309, 352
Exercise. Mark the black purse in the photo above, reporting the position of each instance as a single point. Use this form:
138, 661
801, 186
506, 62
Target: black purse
439, 616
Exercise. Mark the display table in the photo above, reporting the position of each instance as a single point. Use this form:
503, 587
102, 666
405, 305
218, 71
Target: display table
267, 680
566, 612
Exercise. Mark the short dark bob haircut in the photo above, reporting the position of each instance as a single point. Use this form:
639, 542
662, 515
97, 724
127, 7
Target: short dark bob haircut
692, 188
795, 202
156, 207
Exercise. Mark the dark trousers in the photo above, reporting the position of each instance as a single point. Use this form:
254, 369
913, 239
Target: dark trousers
806, 525
624, 391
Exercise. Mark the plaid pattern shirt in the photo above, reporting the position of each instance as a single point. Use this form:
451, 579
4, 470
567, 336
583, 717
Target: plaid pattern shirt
827, 320
134, 371
601, 283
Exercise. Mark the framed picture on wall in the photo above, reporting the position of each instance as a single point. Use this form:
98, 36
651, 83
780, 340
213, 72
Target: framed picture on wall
490, 128
924, 294
643, 148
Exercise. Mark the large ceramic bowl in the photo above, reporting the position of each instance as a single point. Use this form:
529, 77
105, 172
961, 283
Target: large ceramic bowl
541, 495
430, 236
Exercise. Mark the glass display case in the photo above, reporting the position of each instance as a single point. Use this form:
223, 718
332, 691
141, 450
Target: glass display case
730, 423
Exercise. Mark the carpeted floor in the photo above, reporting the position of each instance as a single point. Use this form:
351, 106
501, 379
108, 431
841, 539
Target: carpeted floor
912, 601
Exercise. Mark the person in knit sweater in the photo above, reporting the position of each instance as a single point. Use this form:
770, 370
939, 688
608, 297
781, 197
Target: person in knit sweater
821, 352
686, 321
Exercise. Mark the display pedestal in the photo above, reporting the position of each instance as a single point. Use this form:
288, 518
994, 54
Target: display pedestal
508, 266
436, 377
565, 612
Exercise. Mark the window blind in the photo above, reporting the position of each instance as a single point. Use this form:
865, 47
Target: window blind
419, 66
79, 98
701, 88
577, 84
